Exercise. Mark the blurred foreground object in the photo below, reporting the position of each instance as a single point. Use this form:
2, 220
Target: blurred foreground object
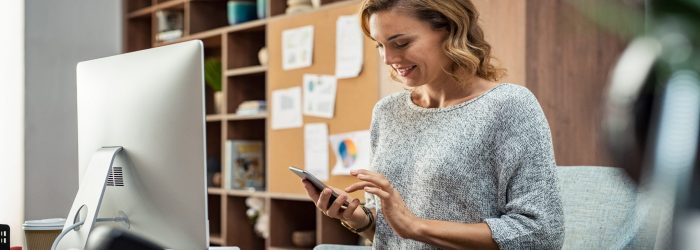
652, 119
113, 238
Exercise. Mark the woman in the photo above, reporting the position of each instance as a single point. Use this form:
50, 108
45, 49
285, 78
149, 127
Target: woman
458, 160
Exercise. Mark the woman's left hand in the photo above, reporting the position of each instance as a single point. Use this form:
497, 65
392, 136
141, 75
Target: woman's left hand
400, 218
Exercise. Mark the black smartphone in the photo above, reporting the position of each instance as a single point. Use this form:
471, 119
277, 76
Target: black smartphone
317, 183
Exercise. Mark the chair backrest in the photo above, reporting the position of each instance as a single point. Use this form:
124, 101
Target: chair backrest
601, 209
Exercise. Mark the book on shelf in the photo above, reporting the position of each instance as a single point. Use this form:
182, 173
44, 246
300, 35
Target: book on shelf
245, 166
253, 107
168, 35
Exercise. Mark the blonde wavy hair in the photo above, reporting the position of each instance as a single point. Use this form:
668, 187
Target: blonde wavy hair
465, 44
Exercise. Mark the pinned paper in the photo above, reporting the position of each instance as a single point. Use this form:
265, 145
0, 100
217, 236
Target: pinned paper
297, 47
349, 47
352, 151
286, 108
319, 95
316, 150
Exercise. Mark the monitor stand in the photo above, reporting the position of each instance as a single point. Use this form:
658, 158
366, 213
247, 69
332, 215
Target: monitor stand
86, 205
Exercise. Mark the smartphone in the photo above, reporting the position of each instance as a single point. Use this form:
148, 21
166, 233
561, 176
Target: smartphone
316, 183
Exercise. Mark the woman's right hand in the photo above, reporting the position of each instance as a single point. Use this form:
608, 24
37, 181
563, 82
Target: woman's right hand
352, 215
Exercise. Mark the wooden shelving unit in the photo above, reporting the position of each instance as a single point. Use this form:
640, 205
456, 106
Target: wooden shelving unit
244, 78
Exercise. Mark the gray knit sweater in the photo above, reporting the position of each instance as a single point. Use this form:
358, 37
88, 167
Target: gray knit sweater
489, 159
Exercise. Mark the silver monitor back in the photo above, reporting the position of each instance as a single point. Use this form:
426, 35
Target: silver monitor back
151, 103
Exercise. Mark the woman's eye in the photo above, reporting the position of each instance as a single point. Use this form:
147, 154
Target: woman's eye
401, 45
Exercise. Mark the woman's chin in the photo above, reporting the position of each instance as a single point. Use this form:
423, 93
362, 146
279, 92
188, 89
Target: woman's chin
410, 84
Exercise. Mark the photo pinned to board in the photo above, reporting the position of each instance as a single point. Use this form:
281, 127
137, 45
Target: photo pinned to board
352, 151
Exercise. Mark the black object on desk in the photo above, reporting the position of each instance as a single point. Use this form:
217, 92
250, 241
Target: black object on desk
4, 237
112, 238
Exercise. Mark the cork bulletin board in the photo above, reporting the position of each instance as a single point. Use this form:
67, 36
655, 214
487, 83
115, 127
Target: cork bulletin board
355, 97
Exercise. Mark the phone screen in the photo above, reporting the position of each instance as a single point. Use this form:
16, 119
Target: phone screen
316, 182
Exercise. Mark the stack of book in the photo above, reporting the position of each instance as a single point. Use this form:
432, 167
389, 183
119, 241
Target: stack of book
251, 107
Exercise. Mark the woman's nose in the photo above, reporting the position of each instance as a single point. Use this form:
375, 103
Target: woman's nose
390, 57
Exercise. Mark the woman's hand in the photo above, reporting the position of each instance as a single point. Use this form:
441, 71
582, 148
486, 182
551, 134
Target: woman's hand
350, 214
400, 218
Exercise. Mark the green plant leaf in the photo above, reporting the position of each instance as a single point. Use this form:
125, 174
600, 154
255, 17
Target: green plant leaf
212, 73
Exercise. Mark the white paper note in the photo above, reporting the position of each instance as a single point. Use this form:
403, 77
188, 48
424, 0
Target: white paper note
316, 150
352, 151
297, 47
286, 108
349, 47
319, 95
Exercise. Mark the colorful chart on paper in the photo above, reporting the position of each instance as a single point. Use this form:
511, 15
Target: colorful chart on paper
348, 152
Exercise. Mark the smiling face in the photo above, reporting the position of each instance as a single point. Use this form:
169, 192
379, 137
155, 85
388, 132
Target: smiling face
411, 47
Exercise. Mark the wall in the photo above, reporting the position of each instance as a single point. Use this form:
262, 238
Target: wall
58, 35
11, 121
569, 59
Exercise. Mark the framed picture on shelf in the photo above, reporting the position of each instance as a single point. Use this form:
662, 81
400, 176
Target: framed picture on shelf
245, 166
170, 25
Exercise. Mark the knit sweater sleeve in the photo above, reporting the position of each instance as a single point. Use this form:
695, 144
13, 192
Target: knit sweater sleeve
371, 201
529, 203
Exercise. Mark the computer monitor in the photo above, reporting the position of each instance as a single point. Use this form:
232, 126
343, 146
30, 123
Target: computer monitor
143, 114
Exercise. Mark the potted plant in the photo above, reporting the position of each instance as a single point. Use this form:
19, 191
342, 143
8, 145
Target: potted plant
212, 77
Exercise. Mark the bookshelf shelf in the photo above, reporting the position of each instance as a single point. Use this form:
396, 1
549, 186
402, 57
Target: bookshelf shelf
171, 4
216, 239
246, 70
250, 25
212, 190
245, 117
290, 197
246, 193
141, 13
215, 118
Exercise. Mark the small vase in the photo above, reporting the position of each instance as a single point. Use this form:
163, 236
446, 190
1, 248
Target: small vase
262, 56
218, 102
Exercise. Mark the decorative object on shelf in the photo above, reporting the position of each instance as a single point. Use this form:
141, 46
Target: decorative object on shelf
252, 107
245, 165
255, 208
296, 6
213, 167
263, 56
305, 238
216, 179
261, 8
241, 11
212, 77
316, 3
257, 215
170, 25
